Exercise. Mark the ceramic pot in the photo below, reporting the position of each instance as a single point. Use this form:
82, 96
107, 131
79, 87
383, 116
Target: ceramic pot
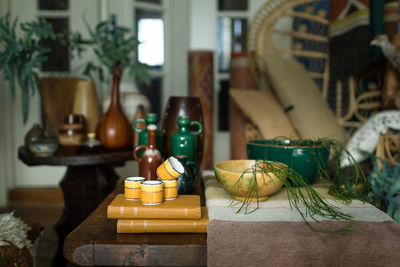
184, 141
85, 103
151, 157
188, 181
114, 130
305, 158
180, 106
72, 133
35, 132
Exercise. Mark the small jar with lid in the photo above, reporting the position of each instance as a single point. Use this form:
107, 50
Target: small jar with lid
92, 145
72, 133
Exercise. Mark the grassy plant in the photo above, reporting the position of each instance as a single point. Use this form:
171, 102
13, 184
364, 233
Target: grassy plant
302, 197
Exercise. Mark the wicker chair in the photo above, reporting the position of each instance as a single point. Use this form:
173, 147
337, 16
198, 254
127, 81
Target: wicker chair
298, 28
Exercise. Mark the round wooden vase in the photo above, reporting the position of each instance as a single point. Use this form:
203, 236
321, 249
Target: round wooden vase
180, 106
86, 103
114, 130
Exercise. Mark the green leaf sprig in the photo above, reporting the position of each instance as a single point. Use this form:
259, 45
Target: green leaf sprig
111, 43
301, 196
21, 57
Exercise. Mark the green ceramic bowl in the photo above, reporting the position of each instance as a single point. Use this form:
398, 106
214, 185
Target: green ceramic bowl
305, 157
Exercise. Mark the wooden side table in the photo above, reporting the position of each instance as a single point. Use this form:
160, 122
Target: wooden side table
88, 180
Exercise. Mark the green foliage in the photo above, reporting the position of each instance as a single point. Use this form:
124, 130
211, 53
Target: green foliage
21, 57
344, 184
385, 188
111, 43
300, 194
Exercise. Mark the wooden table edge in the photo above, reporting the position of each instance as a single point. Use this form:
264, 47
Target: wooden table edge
72, 248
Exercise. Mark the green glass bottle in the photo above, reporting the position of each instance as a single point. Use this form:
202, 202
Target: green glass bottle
151, 118
184, 141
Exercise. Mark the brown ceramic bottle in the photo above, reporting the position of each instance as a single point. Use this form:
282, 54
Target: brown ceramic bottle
114, 130
151, 157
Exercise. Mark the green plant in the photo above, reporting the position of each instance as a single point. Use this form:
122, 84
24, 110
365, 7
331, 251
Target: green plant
385, 188
111, 43
300, 194
21, 57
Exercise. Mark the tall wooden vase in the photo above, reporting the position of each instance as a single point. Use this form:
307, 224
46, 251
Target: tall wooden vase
85, 103
241, 77
201, 83
114, 130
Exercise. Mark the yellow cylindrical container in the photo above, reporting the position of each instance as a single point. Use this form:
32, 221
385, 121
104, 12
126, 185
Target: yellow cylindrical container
170, 169
152, 192
170, 189
132, 188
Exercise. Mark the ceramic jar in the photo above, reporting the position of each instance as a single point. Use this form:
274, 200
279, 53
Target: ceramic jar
188, 181
184, 141
179, 106
72, 132
151, 157
35, 132
151, 118
92, 145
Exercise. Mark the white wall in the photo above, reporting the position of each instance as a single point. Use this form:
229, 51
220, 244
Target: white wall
5, 132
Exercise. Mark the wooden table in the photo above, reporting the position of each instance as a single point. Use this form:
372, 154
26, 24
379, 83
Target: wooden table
95, 242
88, 180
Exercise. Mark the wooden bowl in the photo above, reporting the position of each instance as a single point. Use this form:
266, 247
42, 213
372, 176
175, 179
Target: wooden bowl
268, 181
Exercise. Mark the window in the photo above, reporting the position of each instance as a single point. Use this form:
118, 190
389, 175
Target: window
232, 17
150, 31
56, 12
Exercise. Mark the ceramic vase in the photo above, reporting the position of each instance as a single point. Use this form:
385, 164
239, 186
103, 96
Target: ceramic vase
114, 130
151, 157
179, 106
184, 141
85, 103
201, 83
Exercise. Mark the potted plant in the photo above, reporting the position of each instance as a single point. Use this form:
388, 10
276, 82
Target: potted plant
21, 57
